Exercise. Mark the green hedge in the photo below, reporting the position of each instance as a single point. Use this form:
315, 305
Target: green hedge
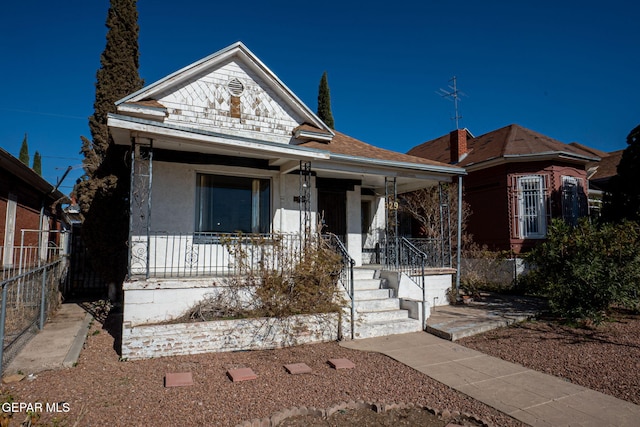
585, 269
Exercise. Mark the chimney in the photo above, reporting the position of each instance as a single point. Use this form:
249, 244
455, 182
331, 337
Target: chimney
457, 144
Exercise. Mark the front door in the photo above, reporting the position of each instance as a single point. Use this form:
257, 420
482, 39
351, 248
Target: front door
332, 211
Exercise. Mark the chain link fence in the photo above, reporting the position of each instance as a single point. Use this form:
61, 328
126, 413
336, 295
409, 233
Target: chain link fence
27, 300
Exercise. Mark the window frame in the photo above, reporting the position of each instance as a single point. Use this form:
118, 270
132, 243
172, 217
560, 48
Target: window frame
570, 199
260, 205
533, 200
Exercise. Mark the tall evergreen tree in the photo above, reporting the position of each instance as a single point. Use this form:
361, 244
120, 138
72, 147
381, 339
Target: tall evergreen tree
37, 163
24, 151
622, 200
104, 190
324, 102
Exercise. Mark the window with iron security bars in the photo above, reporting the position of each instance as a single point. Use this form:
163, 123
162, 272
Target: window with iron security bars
574, 199
531, 207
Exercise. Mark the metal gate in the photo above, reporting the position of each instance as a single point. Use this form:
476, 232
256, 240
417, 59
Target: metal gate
82, 281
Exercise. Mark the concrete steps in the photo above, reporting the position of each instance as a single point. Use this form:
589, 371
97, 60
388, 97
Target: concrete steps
378, 312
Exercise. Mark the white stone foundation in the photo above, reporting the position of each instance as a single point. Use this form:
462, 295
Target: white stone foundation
149, 341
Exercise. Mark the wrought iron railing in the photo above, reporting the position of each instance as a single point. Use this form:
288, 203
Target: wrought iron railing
346, 274
413, 263
435, 256
174, 255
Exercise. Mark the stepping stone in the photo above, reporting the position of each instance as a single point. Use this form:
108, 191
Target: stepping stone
341, 363
241, 374
298, 368
179, 379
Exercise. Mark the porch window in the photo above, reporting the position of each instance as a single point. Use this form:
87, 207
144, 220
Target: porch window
229, 204
532, 216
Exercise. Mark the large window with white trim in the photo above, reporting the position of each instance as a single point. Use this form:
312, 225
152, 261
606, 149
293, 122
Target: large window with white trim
230, 204
531, 210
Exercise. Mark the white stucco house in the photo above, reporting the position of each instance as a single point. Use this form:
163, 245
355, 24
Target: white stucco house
224, 146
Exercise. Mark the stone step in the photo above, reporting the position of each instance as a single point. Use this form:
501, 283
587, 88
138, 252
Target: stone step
380, 329
360, 284
365, 273
369, 294
364, 306
382, 316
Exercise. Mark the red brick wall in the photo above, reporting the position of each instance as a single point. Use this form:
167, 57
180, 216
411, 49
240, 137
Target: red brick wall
493, 208
29, 203
486, 193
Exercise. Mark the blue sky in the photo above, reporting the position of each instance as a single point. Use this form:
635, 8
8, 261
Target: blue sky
567, 69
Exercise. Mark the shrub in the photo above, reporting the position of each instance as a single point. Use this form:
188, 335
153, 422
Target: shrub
284, 278
587, 268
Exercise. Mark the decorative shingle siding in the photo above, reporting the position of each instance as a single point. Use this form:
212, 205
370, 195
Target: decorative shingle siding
205, 104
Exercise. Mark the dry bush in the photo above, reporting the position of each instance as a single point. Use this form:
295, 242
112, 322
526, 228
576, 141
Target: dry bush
283, 280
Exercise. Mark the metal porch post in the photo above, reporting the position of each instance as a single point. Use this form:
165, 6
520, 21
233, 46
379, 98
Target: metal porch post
140, 207
304, 201
391, 232
459, 239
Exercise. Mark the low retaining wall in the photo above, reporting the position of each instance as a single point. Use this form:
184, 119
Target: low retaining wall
148, 341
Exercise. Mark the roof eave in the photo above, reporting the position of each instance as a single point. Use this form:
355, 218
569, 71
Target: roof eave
440, 169
535, 157
148, 128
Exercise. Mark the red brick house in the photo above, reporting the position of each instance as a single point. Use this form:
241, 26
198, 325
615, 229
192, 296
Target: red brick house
27, 202
518, 179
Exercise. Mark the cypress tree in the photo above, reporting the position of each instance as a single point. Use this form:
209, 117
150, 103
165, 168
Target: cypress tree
622, 201
324, 102
37, 163
24, 151
104, 189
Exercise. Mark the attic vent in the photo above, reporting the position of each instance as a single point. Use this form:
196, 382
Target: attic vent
235, 87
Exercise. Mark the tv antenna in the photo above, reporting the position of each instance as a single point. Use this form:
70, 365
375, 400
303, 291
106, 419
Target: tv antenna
454, 94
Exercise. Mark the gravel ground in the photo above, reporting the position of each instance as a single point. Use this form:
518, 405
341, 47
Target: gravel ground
604, 358
104, 391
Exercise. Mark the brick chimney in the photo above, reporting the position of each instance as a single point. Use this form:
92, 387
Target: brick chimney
457, 144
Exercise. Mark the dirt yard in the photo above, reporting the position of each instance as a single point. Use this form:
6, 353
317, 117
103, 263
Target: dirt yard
103, 390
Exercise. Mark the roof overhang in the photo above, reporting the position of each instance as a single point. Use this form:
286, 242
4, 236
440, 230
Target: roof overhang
171, 137
370, 171
24, 173
536, 157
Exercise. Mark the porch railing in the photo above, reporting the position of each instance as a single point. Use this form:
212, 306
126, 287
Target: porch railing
346, 274
413, 262
27, 300
435, 256
177, 255
432, 249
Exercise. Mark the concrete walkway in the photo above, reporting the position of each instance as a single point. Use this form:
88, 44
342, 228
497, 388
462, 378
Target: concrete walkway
57, 345
532, 397
485, 312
